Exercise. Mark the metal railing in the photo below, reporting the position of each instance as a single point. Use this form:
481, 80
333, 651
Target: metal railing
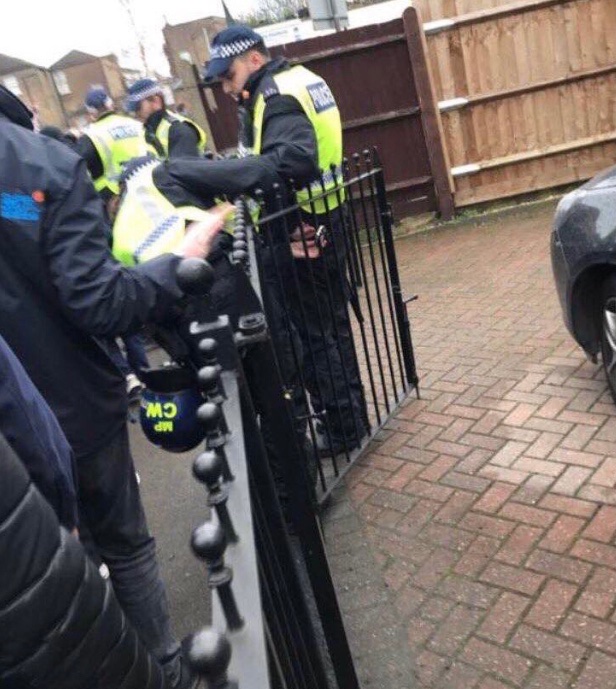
264, 633
326, 351
339, 316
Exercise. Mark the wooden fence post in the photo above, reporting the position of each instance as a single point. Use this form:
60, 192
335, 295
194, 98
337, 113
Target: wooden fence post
430, 115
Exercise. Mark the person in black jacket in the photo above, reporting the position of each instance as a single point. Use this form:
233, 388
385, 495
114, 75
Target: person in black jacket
45, 578
60, 289
289, 129
33, 432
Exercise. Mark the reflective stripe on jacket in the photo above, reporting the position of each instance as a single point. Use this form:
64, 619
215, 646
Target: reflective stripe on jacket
147, 224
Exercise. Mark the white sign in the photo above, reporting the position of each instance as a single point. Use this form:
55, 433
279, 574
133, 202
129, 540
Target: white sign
281, 33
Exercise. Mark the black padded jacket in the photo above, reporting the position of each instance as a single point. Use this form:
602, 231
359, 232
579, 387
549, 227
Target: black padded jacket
32, 430
60, 624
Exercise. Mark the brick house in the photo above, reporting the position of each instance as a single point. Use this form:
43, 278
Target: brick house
187, 47
76, 72
35, 86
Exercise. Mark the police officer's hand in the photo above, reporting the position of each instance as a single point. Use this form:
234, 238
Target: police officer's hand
307, 242
200, 235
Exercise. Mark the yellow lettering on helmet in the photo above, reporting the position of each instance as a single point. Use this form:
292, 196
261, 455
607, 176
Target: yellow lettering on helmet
170, 410
154, 410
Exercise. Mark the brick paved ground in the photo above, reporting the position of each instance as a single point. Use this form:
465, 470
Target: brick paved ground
477, 537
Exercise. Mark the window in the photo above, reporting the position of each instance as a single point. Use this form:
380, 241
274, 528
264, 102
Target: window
62, 83
12, 84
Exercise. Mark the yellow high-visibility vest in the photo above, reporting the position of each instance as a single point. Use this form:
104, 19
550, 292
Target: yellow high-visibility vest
162, 134
147, 224
116, 139
318, 102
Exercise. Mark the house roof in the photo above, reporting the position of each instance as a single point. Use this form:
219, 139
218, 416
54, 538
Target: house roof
207, 20
9, 64
72, 59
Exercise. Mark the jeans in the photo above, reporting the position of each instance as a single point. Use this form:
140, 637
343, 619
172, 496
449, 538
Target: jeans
111, 512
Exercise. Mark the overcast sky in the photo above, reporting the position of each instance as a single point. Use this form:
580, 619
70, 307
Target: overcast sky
42, 32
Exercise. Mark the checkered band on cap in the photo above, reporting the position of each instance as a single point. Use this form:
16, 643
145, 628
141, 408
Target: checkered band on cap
232, 49
145, 93
151, 91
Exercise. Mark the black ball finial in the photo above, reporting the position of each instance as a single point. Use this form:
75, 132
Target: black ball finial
209, 377
239, 256
209, 542
209, 414
208, 467
195, 276
209, 348
209, 653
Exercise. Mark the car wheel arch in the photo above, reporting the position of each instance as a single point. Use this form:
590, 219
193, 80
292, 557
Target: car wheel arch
586, 305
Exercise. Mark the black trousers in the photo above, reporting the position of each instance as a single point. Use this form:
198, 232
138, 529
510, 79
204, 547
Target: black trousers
317, 296
233, 295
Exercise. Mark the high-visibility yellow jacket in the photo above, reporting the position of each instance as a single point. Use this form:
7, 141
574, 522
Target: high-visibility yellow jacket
318, 102
160, 145
116, 139
148, 224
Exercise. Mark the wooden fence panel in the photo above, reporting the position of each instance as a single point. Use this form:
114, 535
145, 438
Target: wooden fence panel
539, 79
433, 10
380, 80
369, 71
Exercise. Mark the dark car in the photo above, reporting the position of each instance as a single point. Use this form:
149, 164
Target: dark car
584, 265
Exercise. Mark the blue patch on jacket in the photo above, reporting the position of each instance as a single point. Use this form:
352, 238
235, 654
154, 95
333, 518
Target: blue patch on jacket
17, 206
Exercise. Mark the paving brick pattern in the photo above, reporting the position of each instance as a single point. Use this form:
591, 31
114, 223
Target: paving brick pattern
485, 515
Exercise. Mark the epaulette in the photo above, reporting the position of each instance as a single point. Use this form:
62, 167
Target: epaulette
269, 88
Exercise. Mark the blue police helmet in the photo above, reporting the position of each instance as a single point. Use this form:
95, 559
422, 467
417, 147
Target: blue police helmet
97, 98
168, 411
141, 89
227, 45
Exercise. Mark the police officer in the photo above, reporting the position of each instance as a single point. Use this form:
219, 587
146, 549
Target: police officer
106, 145
60, 289
168, 134
109, 141
290, 123
150, 221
